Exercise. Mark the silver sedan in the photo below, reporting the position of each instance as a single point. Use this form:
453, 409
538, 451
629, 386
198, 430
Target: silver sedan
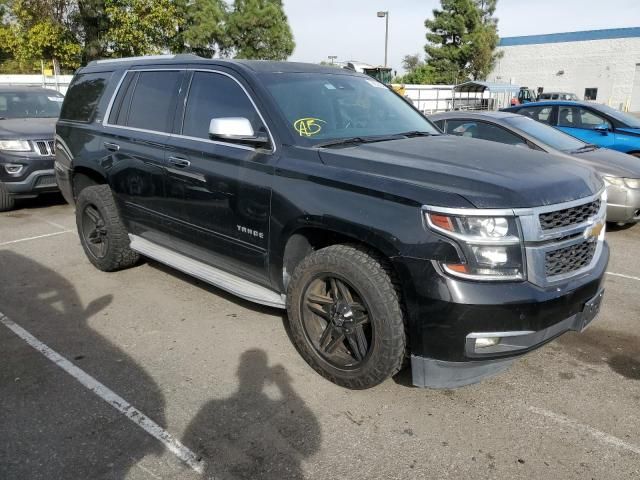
620, 172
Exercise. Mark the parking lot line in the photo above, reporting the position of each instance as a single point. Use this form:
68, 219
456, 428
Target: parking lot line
597, 434
623, 276
20, 240
112, 398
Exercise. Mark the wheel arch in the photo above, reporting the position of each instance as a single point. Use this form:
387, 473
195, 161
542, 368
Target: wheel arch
84, 177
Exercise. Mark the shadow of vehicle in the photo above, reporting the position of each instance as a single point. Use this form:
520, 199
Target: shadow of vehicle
52, 427
251, 435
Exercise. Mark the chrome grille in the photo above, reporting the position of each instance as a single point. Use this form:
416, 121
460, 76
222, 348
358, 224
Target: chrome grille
569, 259
44, 147
569, 216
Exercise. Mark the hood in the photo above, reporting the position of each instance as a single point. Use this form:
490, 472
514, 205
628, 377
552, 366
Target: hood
609, 162
487, 174
28, 128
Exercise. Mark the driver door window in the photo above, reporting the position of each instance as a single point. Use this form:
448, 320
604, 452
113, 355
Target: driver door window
483, 131
590, 120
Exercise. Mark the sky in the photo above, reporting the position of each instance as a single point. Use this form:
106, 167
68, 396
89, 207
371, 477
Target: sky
351, 30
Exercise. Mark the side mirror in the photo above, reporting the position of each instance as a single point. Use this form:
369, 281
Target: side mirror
603, 128
236, 130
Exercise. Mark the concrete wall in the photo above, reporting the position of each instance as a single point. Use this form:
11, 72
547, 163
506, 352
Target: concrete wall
38, 81
608, 65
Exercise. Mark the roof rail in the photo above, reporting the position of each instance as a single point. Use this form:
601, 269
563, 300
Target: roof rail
145, 57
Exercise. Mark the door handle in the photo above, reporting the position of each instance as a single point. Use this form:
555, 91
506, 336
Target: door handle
179, 162
113, 147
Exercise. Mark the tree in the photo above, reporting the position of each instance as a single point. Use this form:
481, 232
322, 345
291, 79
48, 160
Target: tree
37, 30
140, 27
411, 62
204, 31
92, 25
421, 75
462, 38
259, 29
485, 41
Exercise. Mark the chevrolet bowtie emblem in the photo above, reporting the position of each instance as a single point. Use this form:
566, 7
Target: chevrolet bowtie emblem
593, 232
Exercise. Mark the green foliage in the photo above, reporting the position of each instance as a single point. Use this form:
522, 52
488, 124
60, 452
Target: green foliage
421, 75
204, 32
259, 29
411, 62
462, 39
140, 27
69, 33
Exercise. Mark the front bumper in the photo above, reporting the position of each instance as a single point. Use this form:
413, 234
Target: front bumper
35, 177
444, 311
623, 204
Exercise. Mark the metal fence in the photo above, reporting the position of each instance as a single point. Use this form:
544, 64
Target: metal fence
59, 82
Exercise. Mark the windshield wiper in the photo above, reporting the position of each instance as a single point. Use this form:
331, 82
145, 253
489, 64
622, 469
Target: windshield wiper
417, 133
356, 141
586, 148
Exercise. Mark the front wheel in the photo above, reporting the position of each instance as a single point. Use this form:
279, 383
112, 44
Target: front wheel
346, 317
102, 234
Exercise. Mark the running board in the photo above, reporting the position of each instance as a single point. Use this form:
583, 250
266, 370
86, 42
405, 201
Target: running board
219, 278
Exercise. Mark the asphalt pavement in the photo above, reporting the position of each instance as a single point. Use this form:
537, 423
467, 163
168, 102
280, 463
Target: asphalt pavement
148, 374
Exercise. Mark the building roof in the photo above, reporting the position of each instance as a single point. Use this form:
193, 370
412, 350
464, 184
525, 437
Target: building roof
571, 36
480, 86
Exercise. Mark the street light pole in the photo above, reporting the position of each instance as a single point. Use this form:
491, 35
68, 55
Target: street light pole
385, 15
332, 58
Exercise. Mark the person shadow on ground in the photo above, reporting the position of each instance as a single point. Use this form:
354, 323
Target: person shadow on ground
250, 435
52, 427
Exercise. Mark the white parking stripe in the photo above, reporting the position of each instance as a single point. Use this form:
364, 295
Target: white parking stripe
53, 224
35, 238
112, 398
597, 434
623, 276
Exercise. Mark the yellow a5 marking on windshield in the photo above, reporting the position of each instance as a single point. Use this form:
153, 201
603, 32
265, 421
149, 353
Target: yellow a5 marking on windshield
307, 127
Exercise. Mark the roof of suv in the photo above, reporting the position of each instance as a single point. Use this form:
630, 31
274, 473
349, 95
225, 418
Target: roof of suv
259, 66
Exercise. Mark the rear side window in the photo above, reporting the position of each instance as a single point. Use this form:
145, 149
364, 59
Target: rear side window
540, 114
83, 96
213, 95
147, 100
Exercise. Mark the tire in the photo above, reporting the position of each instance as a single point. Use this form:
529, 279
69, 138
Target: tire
102, 234
7, 202
356, 337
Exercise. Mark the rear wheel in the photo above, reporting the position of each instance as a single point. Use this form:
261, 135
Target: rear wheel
346, 317
7, 201
102, 234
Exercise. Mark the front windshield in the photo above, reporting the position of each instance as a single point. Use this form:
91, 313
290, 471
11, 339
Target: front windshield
30, 104
546, 134
320, 107
628, 120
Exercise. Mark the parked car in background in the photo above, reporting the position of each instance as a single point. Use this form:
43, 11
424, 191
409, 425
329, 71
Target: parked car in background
620, 172
27, 125
591, 122
558, 96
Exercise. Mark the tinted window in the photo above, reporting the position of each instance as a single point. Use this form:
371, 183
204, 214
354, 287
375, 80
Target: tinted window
83, 96
213, 95
120, 108
483, 131
540, 114
154, 100
568, 117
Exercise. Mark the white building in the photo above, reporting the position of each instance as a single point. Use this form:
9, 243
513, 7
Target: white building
600, 65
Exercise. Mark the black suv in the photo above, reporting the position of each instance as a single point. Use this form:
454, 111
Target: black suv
27, 124
321, 191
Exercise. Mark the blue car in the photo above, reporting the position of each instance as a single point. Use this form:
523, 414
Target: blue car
590, 122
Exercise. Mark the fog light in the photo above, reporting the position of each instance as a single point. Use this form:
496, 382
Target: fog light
13, 168
484, 342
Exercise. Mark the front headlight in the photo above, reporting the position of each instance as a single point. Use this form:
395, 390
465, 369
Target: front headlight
617, 181
632, 182
15, 145
490, 244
